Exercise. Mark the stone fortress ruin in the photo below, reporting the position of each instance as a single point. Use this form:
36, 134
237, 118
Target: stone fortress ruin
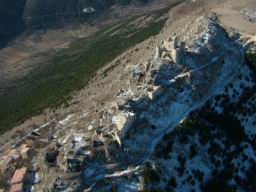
160, 94
171, 49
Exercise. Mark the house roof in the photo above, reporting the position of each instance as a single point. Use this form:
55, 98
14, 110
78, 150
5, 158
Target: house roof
17, 187
12, 153
19, 175
24, 145
24, 153
7, 158
24, 150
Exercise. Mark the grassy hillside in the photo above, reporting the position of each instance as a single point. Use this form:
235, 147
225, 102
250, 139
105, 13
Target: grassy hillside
70, 70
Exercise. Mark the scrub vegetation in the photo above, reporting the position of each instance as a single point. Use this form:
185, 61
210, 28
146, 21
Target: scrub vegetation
70, 69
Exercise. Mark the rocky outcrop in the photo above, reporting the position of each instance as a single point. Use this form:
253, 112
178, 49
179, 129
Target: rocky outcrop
171, 91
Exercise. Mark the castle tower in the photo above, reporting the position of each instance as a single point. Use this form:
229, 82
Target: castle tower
157, 54
178, 54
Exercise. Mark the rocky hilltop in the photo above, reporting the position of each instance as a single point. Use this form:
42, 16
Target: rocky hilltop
181, 78
135, 133
184, 128
174, 112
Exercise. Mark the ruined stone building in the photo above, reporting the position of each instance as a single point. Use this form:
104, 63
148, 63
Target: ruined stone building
174, 48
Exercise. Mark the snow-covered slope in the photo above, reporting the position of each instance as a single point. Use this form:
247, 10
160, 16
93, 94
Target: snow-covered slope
212, 61
214, 148
162, 135
170, 92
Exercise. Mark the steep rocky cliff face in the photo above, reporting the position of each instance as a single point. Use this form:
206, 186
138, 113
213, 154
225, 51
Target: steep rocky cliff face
149, 130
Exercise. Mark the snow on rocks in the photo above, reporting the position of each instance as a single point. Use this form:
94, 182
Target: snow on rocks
215, 141
209, 74
180, 79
